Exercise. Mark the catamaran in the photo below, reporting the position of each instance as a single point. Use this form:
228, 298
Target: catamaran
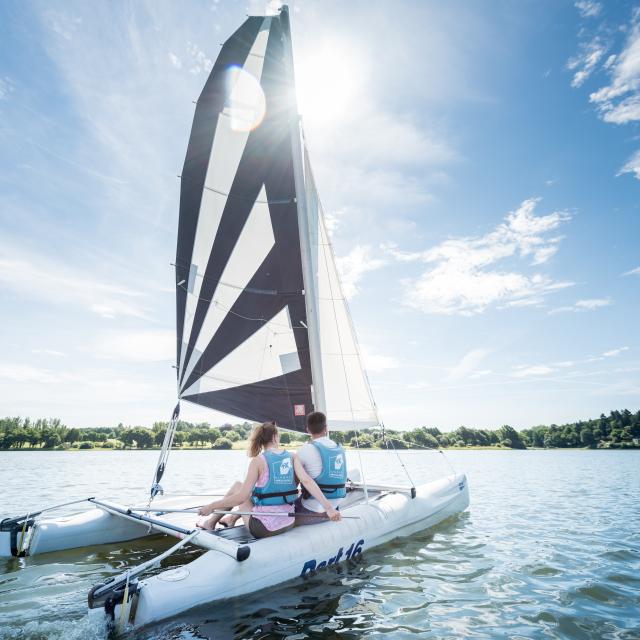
263, 333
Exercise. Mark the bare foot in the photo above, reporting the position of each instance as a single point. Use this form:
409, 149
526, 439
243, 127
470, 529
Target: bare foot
209, 524
229, 520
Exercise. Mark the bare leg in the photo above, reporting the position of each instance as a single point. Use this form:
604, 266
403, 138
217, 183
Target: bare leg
211, 522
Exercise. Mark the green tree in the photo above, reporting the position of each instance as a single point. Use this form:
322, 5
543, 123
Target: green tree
586, 437
222, 443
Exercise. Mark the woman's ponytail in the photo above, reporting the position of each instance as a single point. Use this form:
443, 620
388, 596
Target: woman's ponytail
260, 437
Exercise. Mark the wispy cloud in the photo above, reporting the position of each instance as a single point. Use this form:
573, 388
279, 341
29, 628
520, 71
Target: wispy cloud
466, 279
583, 305
619, 101
536, 370
377, 362
200, 62
175, 61
6, 88
49, 352
632, 165
354, 266
63, 24
633, 272
25, 373
586, 61
468, 364
35, 277
556, 368
614, 352
137, 346
588, 8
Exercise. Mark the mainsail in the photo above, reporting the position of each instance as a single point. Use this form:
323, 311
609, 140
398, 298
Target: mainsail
263, 329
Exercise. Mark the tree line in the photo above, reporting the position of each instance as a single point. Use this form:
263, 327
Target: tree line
618, 430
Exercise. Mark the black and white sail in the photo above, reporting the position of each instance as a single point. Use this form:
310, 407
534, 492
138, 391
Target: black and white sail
263, 329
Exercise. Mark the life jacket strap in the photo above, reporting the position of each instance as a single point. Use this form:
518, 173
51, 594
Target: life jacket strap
275, 494
326, 488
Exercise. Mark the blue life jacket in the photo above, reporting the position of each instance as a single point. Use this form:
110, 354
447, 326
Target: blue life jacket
281, 487
333, 477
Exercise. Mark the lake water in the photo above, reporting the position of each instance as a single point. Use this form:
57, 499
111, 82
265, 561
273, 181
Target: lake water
550, 548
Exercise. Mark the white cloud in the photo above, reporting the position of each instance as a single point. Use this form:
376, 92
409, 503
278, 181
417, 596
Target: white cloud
614, 352
25, 373
6, 87
632, 165
588, 8
537, 370
175, 61
137, 346
584, 63
619, 102
593, 303
200, 63
465, 279
377, 362
63, 24
633, 272
49, 352
468, 364
583, 305
354, 266
35, 277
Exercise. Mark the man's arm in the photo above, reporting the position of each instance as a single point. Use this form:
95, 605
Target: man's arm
312, 487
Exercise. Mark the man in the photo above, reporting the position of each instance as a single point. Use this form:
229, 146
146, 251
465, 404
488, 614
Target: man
325, 461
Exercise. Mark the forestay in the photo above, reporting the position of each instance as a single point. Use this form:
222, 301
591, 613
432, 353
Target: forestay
244, 327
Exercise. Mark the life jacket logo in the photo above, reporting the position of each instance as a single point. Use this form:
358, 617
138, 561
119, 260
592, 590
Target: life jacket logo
285, 467
338, 462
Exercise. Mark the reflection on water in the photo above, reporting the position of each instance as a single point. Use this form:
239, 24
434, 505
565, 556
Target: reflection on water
550, 548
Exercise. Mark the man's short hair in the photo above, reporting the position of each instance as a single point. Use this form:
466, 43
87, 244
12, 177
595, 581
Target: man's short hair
316, 422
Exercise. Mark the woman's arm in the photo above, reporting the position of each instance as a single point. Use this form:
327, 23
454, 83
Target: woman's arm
311, 486
240, 496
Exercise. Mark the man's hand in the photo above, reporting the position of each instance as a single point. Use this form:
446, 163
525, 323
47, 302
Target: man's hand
334, 514
206, 510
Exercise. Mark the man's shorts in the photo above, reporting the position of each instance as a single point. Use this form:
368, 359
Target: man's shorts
312, 517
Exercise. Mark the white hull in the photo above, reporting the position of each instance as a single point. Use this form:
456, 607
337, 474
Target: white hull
89, 528
215, 576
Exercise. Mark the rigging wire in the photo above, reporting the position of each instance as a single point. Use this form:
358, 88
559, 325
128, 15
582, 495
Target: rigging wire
401, 462
344, 365
239, 315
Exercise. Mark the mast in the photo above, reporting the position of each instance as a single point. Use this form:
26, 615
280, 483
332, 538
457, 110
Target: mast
306, 247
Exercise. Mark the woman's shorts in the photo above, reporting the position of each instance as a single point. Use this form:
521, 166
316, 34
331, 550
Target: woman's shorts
258, 530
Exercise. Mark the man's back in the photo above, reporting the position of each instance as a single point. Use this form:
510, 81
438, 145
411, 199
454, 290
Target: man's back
311, 460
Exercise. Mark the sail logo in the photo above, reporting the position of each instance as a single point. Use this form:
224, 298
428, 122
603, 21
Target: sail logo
298, 410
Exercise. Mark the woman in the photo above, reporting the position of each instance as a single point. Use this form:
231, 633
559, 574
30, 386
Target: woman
270, 487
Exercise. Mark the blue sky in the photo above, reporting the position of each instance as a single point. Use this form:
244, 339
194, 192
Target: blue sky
479, 163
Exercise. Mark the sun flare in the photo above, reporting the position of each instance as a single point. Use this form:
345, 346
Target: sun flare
327, 83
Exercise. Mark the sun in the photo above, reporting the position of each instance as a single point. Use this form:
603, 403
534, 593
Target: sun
328, 80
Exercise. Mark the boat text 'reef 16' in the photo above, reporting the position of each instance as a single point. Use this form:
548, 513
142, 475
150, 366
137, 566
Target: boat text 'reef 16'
263, 332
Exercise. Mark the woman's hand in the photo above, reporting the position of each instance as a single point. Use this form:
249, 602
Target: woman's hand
334, 514
205, 510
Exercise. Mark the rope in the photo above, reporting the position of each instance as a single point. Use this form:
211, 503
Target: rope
342, 355
239, 315
164, 454
406, 471
266, 292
